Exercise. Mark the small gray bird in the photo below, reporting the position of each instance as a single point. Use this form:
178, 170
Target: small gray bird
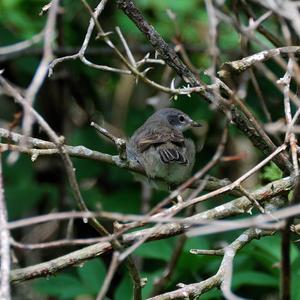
160, 147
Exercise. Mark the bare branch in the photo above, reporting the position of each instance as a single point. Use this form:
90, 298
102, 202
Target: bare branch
4, 244
222, 277
21, 46
120, 143
81, 53
245, 63
232, 208
111, 271
180, 206
42, 70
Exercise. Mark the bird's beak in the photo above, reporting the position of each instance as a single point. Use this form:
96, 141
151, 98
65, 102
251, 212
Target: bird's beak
196, 124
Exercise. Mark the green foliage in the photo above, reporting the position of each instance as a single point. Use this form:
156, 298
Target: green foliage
193, 263
124, 290
22, 192
92, 274
253, 278
295, 277
185, 11
86, 281
271, 172
156, 250
264, 255
63, 286
21, 17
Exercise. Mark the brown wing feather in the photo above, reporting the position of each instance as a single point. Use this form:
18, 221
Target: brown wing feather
171, 154
156, 137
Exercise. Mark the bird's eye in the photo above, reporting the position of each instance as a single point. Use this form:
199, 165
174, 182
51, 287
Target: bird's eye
181, 119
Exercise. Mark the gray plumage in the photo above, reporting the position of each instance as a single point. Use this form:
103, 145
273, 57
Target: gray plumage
160, 147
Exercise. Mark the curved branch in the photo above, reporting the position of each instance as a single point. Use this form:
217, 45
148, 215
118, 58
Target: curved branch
222, 278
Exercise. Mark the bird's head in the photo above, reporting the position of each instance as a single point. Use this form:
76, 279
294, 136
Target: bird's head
176, 118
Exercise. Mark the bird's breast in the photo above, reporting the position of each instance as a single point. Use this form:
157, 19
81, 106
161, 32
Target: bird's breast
167, 162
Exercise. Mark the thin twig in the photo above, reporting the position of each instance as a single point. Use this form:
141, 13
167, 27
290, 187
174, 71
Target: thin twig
126, 47
42, 69
177, 208
120, 143
56, 244
81, 53
253, 200
285, 81
291, 138
222, 278
109, 276
219, 252
21, 46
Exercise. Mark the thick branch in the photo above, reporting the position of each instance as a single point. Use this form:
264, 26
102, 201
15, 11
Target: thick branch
168, 54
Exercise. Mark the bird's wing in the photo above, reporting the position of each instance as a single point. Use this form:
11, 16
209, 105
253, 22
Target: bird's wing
168, 142
170, 153
158, 136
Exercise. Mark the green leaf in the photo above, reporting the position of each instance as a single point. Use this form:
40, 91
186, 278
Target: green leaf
92, 275
151, 277
246, 278
271, 246
124, 290
296, 278
63, 286
212, 294
122, 200
295, 286
271, 172
158, 250
196, 243
191, 262
21, 189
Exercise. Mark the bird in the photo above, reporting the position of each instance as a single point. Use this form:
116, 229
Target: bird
161, 149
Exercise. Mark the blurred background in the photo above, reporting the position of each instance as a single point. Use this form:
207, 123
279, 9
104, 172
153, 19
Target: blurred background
76, 94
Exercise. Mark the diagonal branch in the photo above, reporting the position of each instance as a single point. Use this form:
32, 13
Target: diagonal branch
239, 113
168, 54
